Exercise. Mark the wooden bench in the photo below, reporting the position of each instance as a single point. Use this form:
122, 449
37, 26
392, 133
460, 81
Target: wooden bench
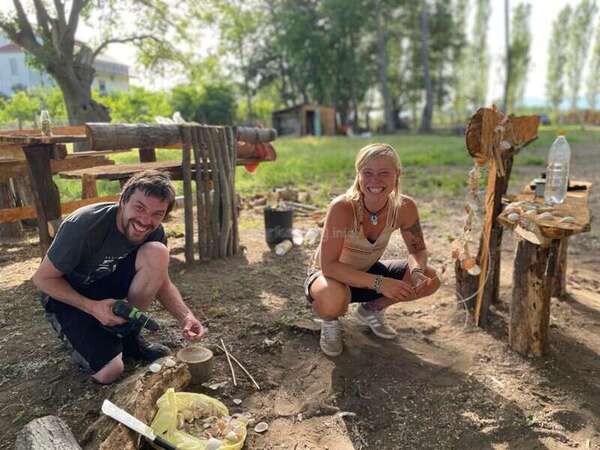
122, 172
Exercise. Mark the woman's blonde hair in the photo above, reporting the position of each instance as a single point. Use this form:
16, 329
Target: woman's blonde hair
367, 154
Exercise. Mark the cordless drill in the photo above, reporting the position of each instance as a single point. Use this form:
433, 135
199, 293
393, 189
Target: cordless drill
127, 311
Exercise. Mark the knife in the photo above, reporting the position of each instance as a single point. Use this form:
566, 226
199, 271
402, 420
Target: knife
122, 416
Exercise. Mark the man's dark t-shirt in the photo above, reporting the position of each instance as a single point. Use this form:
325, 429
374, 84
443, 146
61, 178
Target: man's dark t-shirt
88, 245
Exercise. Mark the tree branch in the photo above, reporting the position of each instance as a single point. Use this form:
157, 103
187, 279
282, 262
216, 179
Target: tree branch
122, 41
21, 32
60, 14
76, 8
42, 17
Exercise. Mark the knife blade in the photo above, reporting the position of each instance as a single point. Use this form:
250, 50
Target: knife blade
122, 416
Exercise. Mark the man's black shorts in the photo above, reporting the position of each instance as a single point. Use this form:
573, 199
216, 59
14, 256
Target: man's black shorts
395, 268
93, 345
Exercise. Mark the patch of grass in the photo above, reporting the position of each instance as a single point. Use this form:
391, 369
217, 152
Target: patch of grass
325, 165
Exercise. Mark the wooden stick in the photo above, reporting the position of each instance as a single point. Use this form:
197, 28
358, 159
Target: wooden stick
235, 240
214, 211
201, 200
229, 362
187, 194
243, 368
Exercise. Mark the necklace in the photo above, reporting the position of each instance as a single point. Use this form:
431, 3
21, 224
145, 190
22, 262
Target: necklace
373, 215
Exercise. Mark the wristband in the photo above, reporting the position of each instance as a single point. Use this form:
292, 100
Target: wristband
377, 283
418, 270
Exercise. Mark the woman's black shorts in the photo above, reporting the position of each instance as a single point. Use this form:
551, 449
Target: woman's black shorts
395, 268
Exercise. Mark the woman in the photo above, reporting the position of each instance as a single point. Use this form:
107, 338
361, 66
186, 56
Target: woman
357, 231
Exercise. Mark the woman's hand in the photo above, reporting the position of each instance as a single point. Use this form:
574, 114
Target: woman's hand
397, 290
425, 283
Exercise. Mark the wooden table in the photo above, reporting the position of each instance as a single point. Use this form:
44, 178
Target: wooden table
46, 155
540, 260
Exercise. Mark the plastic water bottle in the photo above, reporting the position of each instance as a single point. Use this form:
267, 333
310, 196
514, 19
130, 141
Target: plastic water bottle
557, 171
312, 235
283, 247
297, 237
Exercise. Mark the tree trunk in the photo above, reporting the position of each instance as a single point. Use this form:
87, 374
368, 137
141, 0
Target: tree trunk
508, 59
382, 63
46, 433
428, 108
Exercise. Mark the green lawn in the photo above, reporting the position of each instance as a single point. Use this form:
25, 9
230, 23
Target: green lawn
325, 165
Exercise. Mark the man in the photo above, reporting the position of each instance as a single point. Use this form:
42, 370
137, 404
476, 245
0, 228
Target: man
105, 252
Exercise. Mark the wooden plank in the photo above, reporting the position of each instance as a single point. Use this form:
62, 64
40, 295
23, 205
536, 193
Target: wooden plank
120, 171
45, 192
28, 212
7, 201
14, 169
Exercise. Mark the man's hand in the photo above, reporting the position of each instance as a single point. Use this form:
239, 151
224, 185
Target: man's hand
192, 328
397, 290
102, 311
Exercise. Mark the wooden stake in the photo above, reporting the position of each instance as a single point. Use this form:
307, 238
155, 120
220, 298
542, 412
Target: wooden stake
188, 208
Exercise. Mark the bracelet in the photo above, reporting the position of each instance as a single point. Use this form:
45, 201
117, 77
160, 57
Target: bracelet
377, 283
418, 270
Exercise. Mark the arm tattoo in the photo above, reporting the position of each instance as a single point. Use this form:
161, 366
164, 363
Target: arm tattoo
413, 236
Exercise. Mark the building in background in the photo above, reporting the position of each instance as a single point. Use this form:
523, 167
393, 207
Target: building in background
306, 119
16, 74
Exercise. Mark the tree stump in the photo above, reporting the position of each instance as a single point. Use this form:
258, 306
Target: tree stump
136, 394
530, 305
46, 433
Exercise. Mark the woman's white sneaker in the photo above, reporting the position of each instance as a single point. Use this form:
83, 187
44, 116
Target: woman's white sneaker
376, 321
331, 338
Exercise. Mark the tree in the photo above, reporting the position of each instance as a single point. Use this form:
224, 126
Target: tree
479, 55
581, 25
382, 64
212, 104
428, 108
593, 83
21, 107
48, 35
137, 105
557, 60
520, 43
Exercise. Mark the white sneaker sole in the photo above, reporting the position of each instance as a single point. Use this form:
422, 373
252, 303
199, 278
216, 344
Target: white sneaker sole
332, 354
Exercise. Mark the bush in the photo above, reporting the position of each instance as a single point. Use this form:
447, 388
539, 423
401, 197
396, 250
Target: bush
213, 103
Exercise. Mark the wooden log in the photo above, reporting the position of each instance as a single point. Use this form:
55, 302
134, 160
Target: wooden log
137, 394
45, 192
147, 154
110, 136
530, 303
235, 232
14, 169
46, 433
255, 135
188, 208
559, 286
215, 211
221, 157
12, 229
28, 212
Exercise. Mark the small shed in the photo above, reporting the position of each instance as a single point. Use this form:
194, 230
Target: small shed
305, 119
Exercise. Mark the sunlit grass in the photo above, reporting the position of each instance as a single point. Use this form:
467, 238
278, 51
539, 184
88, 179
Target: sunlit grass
325, 165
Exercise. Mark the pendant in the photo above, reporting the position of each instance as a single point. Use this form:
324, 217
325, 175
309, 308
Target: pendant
373, 219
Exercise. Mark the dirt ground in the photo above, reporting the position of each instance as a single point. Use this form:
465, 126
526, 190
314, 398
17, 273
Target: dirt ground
441, 384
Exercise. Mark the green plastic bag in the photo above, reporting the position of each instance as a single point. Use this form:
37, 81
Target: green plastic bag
165, 420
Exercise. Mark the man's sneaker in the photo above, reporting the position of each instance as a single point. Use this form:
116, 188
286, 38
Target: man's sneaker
375, 321
331, 338
136, 347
